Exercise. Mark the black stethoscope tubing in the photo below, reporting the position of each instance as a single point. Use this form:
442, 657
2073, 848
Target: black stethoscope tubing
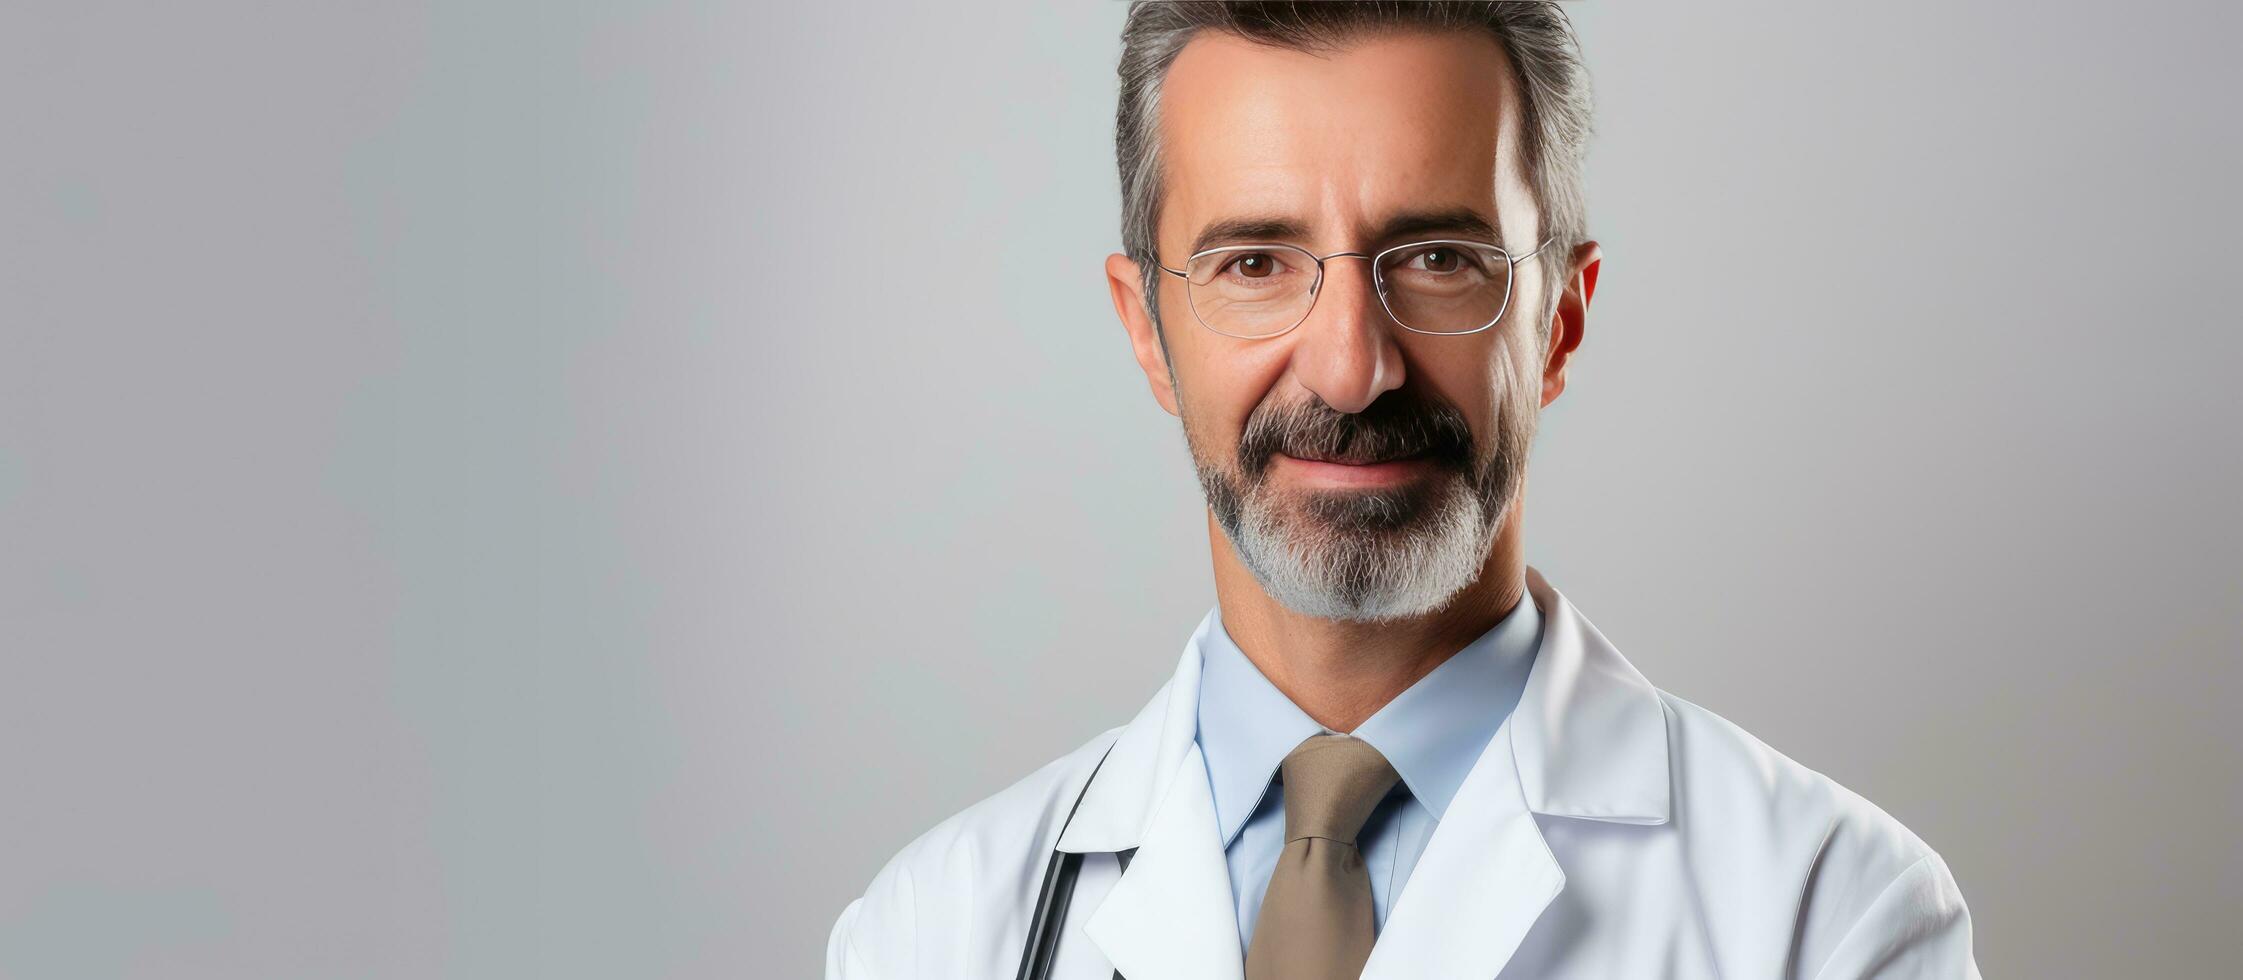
1057, 891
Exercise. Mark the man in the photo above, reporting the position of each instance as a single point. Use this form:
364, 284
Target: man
1356, 270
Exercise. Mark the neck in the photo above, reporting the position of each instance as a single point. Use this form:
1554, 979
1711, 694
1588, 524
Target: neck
1342, 673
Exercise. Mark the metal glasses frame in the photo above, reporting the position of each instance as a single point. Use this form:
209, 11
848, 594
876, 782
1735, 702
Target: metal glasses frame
1378, 280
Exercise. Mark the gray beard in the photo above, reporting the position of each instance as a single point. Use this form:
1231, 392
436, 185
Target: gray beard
1372, 555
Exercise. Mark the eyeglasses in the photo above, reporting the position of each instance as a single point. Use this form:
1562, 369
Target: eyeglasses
1444, 286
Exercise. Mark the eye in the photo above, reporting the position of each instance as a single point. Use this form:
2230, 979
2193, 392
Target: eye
1439, 258
1252, 265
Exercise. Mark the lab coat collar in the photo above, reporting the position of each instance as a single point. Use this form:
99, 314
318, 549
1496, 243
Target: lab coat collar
1144, 762
1591, 738
1171, 914
1587, 740
1589, 735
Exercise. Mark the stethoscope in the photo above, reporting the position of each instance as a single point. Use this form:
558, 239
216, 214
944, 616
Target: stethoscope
1057, 891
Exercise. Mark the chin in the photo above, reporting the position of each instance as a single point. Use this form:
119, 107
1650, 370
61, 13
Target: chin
1345, 567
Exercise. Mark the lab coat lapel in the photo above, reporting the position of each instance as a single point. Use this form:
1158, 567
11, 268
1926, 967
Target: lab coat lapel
1171, 914
1484, 878
1587, 740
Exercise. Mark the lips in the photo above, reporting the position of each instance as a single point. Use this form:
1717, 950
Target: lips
1356, 460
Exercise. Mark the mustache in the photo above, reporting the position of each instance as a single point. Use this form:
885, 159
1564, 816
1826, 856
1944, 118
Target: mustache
1396, 424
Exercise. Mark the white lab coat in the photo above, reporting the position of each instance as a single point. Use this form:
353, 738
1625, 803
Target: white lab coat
1609, 830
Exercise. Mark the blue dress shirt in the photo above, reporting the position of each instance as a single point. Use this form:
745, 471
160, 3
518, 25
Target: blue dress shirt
1432, 733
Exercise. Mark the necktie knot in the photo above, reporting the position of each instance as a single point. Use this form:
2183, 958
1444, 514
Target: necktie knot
1332, 783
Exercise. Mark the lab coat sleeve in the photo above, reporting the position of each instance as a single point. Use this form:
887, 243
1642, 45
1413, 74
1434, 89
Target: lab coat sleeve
841, 964
1917, 929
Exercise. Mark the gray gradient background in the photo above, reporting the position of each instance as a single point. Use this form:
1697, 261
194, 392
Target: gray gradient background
473, 505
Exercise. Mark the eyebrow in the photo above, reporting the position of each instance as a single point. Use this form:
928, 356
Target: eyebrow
1255, 229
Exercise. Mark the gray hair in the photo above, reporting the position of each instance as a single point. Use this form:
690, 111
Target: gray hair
1536, 35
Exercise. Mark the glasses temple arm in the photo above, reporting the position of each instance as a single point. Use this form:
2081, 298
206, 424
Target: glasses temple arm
1537, 250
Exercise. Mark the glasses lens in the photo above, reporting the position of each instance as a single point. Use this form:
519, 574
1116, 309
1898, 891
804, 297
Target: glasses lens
1446, 287
1252, 291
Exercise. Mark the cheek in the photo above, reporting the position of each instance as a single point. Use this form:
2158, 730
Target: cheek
1514, 375
1478, 381
1212, 422
1220, 386
1495, 386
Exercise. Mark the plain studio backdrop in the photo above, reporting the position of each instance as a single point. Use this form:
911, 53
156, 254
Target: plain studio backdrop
532, 490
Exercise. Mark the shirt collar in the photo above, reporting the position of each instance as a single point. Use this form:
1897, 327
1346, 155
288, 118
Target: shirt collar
1432, 733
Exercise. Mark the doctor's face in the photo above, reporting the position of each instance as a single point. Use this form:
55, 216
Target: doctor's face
1361, 471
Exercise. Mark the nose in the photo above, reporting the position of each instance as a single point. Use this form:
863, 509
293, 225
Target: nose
1346, 351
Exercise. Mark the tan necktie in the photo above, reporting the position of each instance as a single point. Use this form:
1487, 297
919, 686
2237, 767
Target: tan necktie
1317, 921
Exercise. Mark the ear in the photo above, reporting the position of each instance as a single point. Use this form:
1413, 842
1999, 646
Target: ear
1122, 280
1571, 317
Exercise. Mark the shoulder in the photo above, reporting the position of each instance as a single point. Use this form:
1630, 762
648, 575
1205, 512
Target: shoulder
950, 880
1839, 863
1730, 784
1019, 823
